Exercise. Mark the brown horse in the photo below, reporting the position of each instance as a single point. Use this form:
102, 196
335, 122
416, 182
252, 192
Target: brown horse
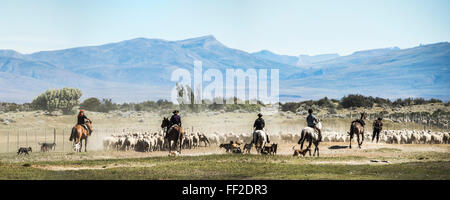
79, 133
357, 127
176, 134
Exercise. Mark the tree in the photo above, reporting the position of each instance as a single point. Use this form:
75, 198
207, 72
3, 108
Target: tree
92, 104
64, 99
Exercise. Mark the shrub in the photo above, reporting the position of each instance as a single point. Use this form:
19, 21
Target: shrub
92, 104
64, 99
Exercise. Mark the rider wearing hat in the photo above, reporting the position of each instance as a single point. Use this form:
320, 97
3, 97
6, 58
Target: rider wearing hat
259, 125
174, 120
82, 121
377, 126
312, 121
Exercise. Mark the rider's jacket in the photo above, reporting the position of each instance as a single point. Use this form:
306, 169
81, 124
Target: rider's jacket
311, 120
81, 119
175, 119
377, 124
259, 124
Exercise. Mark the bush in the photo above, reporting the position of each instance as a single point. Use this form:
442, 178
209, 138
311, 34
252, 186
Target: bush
356, 101
52, 100
92, 104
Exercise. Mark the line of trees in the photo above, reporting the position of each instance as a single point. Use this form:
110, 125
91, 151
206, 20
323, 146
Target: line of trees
66, 99
357, 101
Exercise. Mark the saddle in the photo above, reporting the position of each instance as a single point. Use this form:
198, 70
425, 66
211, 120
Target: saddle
360, 121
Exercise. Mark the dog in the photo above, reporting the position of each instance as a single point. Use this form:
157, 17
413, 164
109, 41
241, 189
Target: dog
237, 150
76, 147
248, 147
23, 150
228, 146
46, 146
267, 149
271, 148
298, 152
274, 148
174, 153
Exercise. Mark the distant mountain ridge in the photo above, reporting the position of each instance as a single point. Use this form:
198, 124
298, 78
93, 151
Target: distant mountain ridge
139, 69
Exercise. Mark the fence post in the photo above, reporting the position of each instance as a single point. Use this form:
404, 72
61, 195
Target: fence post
54, 135
8, 138
35, 140
64, 130
18, 138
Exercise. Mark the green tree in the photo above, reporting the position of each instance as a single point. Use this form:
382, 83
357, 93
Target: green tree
64, 99
92, 104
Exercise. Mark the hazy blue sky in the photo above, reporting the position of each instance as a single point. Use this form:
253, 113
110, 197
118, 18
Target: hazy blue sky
285, 27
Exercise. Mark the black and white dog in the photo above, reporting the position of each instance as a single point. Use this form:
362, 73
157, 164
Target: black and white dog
24, 150
47, 146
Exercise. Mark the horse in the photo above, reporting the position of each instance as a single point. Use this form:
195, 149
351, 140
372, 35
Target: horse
309, 134
176, 134
79, 133
357, 127
260, 140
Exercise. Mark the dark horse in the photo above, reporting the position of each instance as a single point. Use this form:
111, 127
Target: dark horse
176, 134
357, 127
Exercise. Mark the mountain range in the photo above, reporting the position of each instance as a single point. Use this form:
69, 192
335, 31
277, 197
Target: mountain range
140, 69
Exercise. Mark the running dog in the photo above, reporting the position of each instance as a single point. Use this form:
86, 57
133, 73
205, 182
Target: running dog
23, 150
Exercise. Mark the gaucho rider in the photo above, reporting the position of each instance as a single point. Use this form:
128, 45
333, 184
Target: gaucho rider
82, 121
259, 125
174, 120
312, 122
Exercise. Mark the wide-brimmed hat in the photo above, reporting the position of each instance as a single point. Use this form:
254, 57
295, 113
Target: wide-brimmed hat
259, 115
175, 111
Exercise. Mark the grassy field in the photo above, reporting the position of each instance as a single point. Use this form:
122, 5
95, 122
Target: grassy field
405, 161
95, 165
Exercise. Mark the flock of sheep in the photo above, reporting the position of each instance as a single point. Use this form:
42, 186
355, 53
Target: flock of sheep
396, 137
148, 142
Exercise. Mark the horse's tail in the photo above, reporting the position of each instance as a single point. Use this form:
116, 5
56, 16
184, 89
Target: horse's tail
352, 125
72, 134
302, 136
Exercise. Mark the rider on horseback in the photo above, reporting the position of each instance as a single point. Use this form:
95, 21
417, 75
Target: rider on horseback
259, 125
312, 121
174, 120
82, 121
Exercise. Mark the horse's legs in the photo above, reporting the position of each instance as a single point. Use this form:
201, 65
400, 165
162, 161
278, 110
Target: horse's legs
317, 147
309, 147
351, 137
85, 145
301, 144
359, 144
81, 145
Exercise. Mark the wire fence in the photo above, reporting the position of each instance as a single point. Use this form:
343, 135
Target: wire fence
14, 138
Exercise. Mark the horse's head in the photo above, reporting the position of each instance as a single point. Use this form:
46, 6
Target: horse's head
319, 125
89, 124
165, 122
363, 115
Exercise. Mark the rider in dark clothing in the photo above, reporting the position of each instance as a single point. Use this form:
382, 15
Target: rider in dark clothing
259, 125
312, 121
377, 126
174, 120
82, 121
